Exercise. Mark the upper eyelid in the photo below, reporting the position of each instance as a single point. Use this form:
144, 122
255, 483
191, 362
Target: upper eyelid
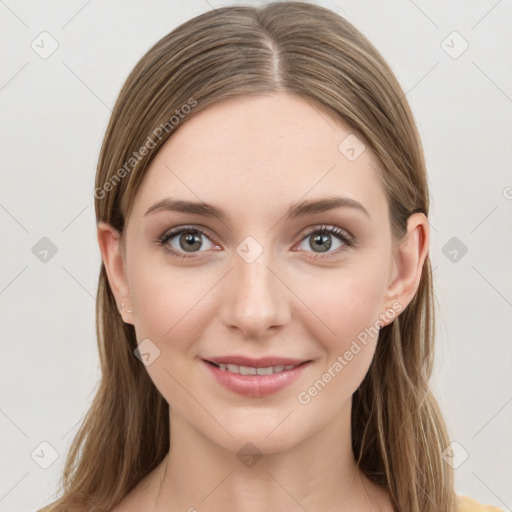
328, 227
171, 233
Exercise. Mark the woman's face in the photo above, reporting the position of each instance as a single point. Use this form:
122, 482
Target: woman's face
259, 282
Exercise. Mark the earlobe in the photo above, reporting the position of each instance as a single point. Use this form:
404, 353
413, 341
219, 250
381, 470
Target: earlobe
109, 241
410, 256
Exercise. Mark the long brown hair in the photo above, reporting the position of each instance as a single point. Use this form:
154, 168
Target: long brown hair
398, 432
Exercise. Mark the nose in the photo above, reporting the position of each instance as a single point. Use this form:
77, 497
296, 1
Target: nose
255, 298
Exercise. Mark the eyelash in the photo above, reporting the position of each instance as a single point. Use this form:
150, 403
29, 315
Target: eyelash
342, 235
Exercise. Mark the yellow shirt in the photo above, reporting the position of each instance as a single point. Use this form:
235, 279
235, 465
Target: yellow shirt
467, 504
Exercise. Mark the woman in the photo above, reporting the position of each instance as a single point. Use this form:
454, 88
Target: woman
265, 313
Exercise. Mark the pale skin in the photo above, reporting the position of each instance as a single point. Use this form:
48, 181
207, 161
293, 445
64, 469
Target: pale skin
253, 157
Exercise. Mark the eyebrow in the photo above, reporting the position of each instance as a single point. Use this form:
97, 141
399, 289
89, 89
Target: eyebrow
296, 210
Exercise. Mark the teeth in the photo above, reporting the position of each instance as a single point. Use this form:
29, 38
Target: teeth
249, 370
264, 371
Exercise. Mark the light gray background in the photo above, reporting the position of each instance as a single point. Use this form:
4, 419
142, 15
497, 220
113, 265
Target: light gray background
54, 113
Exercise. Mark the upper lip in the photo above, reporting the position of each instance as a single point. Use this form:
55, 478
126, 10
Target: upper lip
263, 362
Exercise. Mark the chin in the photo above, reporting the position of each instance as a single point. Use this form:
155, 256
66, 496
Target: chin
261, 437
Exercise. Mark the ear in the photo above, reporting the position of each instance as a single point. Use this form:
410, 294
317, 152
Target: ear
408, 259
111, 249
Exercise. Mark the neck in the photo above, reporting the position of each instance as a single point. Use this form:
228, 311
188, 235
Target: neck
318, 473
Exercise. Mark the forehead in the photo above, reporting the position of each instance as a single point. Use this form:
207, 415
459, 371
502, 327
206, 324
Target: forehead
256, 154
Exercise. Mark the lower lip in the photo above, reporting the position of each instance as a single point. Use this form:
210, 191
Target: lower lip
256, 385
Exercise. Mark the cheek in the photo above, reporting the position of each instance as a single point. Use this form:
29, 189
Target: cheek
346, 329
347, 336
170, 306
351, 303
169, 303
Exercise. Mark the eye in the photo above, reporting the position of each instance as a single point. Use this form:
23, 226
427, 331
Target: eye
322, 239
188, 239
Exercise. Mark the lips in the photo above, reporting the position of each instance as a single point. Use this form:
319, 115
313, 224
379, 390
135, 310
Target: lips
263, 362
248, 376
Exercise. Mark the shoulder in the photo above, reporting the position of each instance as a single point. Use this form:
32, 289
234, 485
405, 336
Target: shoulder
467, 504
